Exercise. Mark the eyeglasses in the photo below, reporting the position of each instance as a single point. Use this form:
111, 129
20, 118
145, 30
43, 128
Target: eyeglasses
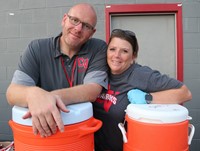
75, 21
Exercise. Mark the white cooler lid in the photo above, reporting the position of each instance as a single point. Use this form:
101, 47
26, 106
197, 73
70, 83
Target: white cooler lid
157, 113
78, 113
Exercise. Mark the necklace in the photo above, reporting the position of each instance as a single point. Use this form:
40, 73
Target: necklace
70, 80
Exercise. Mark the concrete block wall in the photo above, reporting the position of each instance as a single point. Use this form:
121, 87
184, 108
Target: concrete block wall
191, 29
24, 20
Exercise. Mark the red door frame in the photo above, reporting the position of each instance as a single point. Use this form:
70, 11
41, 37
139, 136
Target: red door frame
175, 8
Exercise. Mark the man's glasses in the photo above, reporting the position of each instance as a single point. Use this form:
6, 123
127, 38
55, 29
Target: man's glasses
75, 21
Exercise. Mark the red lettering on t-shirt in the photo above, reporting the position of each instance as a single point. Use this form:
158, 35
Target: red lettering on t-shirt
107, 99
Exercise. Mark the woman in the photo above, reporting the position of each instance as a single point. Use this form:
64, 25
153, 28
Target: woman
146, 84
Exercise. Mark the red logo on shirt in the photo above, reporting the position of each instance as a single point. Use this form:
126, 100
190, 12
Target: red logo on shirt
107, 99
82, 64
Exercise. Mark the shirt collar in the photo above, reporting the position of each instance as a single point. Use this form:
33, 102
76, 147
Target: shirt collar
58, 52
56, 43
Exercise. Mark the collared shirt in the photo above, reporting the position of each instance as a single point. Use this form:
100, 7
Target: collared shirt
110, 106
41, 65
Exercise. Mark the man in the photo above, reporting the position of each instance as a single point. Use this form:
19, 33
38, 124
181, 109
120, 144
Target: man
55, 72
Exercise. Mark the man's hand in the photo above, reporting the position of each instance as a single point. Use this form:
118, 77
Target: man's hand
44, 107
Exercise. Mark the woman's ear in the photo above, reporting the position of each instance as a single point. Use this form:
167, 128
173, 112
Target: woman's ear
133, 59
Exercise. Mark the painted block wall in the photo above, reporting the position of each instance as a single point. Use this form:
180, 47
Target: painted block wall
24, 20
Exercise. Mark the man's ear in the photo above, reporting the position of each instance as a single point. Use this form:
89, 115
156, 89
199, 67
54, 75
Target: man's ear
94, 30
64, 19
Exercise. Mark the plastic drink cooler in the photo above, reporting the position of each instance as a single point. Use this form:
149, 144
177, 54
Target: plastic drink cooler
156, 127
78, 135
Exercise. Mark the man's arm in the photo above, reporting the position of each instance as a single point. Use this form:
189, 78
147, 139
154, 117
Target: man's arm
44, 107
80, 93
16, 94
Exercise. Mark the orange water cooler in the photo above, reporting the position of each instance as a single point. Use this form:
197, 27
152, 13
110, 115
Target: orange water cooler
156, 127
78, 135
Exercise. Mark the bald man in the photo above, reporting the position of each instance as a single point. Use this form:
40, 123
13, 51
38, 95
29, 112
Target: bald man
57, 71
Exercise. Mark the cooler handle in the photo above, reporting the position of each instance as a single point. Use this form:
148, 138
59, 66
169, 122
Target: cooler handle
121, 127
90, 128
192, 130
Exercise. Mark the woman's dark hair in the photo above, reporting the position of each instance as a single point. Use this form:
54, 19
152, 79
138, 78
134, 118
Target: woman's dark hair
128, 36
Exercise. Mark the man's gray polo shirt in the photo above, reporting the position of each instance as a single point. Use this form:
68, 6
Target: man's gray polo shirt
41, 65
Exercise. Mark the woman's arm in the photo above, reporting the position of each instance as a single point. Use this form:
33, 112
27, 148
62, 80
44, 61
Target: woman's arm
171, 96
